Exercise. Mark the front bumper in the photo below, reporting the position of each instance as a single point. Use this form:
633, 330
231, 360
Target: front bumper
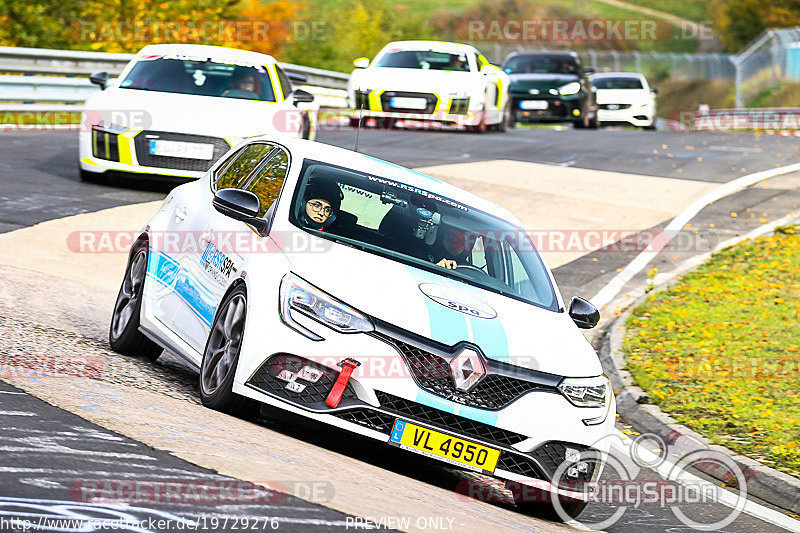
634, 116
554, 109
126, 152
378, 104
532, 427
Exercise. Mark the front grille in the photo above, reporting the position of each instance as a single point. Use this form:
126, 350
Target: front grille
429, 98
542, 463
614, 107
433, 374
313, 395
146, 159
448, 422
105, 145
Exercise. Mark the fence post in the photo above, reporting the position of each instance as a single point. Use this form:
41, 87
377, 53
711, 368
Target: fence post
737, 65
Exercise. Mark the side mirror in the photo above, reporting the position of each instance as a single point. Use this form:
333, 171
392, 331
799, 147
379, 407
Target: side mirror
654, 90
299, 96
99, 78
588, 71
239, 205
583, 313
361, 62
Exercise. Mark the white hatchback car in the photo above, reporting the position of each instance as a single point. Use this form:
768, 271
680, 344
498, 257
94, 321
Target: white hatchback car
625, 98
176, 109
376, 299
430, 81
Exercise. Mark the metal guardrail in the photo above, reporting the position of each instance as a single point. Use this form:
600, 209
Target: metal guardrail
59, 78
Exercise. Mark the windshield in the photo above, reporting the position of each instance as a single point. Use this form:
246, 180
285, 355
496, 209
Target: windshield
618, 83
203, 77
426, 230
541, 65
424, 59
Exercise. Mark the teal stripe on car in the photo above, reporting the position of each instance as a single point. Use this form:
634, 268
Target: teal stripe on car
446, 326
479, 415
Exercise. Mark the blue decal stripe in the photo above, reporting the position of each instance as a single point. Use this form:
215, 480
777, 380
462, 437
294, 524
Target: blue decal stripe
473, 413
403, 168
446, 326
165, 270
488, 334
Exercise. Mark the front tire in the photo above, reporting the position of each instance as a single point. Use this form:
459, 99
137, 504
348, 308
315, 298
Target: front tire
123, 333
540, 504
221, 357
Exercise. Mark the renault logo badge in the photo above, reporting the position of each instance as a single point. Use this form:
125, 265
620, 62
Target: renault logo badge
467, 368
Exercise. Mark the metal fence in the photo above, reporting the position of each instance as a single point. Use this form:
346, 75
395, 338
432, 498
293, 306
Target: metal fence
33, 79
655, 65
772, 59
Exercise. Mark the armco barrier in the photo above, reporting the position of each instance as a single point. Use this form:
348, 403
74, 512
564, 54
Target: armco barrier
58, 78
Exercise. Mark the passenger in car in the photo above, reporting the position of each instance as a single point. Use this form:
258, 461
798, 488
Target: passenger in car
452, 248
322, 201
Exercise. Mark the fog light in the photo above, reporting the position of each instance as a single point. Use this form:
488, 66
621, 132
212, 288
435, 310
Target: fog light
576, 112
578, 469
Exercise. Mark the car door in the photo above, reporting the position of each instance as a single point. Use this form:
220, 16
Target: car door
209, 265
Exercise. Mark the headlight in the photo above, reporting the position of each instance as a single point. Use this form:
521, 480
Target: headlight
586, 392
297, 295
570, 88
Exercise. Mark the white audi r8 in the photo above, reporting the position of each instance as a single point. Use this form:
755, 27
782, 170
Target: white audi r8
379, 300
176, 109
625, 98
429, 81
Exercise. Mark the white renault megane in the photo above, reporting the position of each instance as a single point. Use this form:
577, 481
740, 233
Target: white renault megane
376, 299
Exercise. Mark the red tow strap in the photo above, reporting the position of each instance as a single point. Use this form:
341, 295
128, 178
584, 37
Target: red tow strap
335, 395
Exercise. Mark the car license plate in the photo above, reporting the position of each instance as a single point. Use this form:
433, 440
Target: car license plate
444, 447
406, 102
182, 149
533, 104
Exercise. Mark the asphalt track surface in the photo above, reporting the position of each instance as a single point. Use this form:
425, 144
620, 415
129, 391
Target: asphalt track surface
38, 181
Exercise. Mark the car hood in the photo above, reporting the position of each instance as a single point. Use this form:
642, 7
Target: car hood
414, 80
542, 82
622, 96
201, 115
512, 331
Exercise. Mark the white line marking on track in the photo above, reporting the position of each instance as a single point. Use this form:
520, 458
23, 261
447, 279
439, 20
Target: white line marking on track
612, 288
17, 413
728, 498
11, 392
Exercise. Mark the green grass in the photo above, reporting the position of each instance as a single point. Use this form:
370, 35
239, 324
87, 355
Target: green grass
687, 95
696, 11
719, 350
784, 95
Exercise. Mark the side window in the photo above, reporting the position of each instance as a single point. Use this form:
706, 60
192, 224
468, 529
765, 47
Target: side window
236, 173
269, 180
286, 87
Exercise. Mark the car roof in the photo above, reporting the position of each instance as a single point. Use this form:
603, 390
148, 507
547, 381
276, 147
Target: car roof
439, 46
618, 75
551, 53
215, 52
378, 167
